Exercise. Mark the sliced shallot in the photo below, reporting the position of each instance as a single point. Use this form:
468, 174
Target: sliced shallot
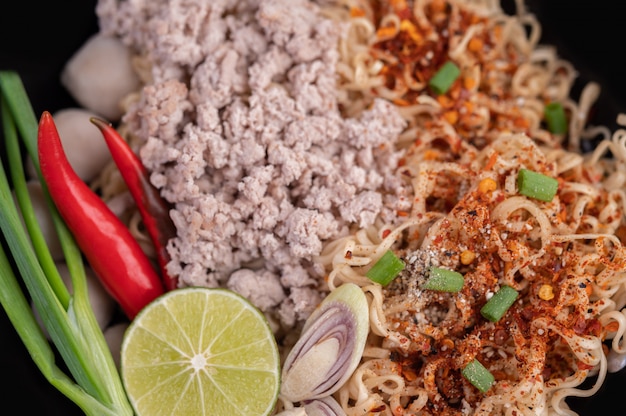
330, 346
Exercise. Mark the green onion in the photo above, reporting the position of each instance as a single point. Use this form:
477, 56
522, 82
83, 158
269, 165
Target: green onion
554, 115
444, 78
385, 269
95, 384
536, 185
499, 303
478, 375
444, 280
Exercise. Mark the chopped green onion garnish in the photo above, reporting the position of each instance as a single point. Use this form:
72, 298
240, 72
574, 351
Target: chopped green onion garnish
478, 375
444, 78
385, 269
536, 185
499, 303
555, 117
444, 280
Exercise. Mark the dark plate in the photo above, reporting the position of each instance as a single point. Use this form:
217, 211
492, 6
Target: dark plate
39, 37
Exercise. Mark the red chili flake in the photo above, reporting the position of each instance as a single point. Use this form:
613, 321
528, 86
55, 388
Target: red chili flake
594, 327
580, 325
492, 161
356, 12
612, 326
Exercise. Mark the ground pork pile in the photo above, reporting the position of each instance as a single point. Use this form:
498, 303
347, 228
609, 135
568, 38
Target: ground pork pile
243, 135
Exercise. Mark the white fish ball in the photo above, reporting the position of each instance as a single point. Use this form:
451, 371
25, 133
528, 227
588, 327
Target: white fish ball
44, 219
616, 361
114, 336
100, 74
83, 143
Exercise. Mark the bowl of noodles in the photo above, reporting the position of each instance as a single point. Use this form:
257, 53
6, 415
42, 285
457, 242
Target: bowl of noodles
460, 154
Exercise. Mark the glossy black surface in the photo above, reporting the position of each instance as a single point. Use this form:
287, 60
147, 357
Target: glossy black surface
38, 37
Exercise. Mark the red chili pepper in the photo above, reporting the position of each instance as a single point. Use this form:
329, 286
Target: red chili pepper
153, 208
109, 247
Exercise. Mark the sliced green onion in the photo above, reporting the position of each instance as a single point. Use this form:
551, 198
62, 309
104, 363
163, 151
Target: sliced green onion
536, 185
444, 280
499, 303
478, 375
554, 115
444, 78
385, 269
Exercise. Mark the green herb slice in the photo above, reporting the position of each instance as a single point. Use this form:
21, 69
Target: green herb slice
443, 79
536, 185
385, 269
444, 280
499, 303
478, 375
554, 115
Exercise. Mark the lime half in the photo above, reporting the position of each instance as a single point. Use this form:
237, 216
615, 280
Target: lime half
200, 351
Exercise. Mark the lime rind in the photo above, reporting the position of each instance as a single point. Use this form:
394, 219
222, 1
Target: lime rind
201, 351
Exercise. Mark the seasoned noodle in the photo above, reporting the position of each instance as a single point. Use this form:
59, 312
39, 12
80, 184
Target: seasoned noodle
569, 267
464, 150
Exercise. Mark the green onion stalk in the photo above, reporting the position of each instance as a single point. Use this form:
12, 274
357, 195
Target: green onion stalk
386, 269
499, 304
478, 375
537, 185
443, 280
94, 383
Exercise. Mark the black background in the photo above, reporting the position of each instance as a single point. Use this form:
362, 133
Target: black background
38, 37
